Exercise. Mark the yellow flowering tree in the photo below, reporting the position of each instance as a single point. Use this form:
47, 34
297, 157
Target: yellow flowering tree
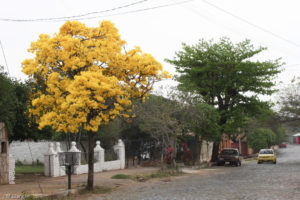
85, 78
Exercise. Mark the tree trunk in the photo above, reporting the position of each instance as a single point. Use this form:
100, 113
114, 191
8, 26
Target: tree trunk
215, 152
84, 150
197, 150
162, 157
90, 180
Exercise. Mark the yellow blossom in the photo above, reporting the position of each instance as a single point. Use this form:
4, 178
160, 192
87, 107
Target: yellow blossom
88, 78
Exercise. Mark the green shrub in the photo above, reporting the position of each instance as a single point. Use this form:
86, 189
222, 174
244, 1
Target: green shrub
121, 176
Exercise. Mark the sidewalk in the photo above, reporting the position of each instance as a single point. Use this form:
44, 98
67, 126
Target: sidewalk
41, 185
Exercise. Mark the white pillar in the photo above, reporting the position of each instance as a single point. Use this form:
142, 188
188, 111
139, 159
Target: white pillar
99, 152
51, 162
77, 169
11, 175
120, 150
62, 170
58, 149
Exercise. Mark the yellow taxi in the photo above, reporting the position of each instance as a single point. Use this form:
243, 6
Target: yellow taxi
266, 155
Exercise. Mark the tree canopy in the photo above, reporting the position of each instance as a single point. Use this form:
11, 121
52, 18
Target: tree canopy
226, 77
261, 138
7, 102
13, 105
289, 102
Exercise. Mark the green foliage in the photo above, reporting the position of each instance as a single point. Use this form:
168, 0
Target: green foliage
156, 117
162, 118
202, 119
289, 102
225, 76
145, 177
25, 127
271, 121
280, 135
13, 105
261, 138
7, 102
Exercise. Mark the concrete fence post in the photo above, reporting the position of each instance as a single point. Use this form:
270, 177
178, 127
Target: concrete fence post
51, 162
58, 149
120, 150
61, 169
76, 168
99, 156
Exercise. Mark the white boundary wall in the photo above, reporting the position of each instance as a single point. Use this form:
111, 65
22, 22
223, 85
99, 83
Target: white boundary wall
53, 169
29, 151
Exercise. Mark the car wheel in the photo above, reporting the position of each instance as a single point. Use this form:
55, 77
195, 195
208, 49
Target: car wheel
258, 162
240, 163
274, 162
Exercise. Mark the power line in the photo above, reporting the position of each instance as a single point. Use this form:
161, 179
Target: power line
133, 11
233, 30
71, 17
4, 58
252, 24
59, 19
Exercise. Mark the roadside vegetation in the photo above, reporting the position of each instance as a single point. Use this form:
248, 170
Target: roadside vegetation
24, 169
144, 177
34, 167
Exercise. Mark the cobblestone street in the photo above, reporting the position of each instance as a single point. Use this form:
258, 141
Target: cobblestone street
250, 181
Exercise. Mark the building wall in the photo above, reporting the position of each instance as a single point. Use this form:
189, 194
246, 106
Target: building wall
7, 162
4, 155
245, 150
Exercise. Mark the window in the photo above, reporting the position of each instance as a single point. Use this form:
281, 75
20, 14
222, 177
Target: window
3, 147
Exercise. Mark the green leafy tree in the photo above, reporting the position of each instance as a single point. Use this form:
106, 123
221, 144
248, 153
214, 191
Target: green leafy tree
156, 116
14, 96
181, 114
25, 127
289, 102
226, 77
280, 135
261, 138
271, 121
7, 102
202, 120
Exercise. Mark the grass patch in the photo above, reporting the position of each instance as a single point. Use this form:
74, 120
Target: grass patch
47, 198
29, 169
26, 196
167, 173
121, 176
144, 177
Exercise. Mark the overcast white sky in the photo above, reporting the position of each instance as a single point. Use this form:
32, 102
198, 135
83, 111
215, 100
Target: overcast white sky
160, 31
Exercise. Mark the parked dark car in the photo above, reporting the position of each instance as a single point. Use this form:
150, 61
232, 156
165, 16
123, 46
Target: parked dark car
282, 145
231, 156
